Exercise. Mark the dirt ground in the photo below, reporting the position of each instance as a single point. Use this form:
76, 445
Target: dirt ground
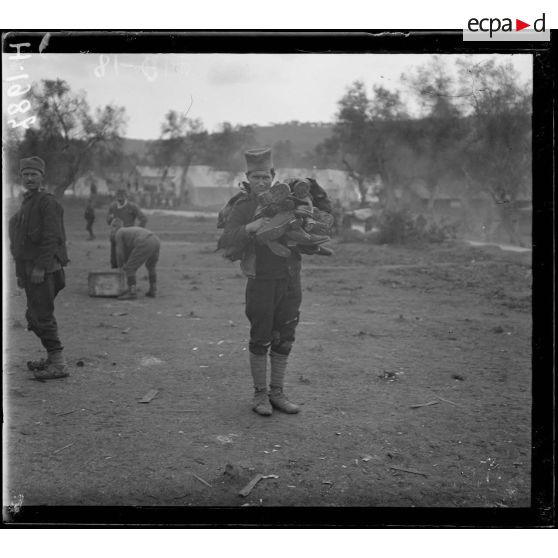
412, 367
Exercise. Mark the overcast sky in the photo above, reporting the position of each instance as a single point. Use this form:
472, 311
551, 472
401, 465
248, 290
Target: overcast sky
238, 88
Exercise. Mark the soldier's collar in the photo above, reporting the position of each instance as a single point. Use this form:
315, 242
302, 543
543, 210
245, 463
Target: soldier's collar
30, 193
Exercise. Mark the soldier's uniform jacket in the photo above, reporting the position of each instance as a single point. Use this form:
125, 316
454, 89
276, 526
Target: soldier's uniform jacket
37, 235
128, 238
128, 212
240, 244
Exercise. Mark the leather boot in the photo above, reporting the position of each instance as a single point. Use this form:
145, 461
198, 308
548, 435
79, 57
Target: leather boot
278, 249
315, 250
277, 398
275, 227
279, 192
40, 364
130, 294
152, 292
56, 368
302, 237
258, 368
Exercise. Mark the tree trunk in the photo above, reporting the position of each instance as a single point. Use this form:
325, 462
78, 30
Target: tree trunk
507, 213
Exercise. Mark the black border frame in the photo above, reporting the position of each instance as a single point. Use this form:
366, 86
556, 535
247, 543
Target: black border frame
542, 512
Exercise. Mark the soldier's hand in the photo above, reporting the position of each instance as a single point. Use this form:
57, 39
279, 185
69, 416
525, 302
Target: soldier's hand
37, 275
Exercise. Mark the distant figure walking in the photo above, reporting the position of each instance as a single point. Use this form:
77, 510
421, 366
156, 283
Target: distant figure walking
89, 215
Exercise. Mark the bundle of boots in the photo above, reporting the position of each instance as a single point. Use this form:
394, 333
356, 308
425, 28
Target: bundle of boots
293, 219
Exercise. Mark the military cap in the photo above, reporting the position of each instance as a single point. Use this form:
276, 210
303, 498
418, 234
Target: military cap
35, 163
258, 159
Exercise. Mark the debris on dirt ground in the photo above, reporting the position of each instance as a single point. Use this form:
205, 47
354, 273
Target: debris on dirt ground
367, 457
424, 404
102, 324
412, 471
303, 380
250, 486
388, 376
201, 480
149, 396
66, 413
127, 330
80, 363
59, 450
150, 361
498, 329
445, 400
327, 482
363, 333
225, 439
119, 314
232, 471
458, 377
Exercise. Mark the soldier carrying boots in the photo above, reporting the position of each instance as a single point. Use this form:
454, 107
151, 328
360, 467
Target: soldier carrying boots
38, 246
273, 289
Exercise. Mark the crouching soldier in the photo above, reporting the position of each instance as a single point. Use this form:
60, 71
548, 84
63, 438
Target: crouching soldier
135, 246
38, 246
273, 290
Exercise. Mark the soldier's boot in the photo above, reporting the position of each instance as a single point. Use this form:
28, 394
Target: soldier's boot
152, 292
277, 398
324, 251
279, 192
40, 364
278, 249
57, 367
302, 237
301, 189
130, 293
258, 368
275, 227
315, 250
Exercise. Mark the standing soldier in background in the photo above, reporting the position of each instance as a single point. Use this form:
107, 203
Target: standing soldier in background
134, 247
128, 212
273, 290
38, 246
89, 215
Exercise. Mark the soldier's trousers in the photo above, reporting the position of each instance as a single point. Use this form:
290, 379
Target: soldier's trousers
273, 309
40, 308
145, 252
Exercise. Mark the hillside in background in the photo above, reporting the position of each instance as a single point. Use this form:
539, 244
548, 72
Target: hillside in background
304, 137
136, 147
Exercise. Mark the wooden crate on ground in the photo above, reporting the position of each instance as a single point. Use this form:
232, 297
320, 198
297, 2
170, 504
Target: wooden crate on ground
106, 283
